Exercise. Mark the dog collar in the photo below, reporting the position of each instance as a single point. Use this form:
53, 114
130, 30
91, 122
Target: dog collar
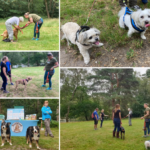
26, 80
82, 29
129, 12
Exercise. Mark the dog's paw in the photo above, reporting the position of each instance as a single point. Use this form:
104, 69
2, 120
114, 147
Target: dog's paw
30, 146
143, 37
2, 145
38, 147
10, 143
101, 44
86, 61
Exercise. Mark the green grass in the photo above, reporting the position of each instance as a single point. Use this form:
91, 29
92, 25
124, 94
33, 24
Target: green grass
49, 37
104, 16
45, 143
82, 136
34, 88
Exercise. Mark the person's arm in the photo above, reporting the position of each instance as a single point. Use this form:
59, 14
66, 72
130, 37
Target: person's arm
55, 66
4, 71
10, 66
31, 21
44, 111
147, 114
120, 116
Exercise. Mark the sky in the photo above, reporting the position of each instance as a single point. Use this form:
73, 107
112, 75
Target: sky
142, 70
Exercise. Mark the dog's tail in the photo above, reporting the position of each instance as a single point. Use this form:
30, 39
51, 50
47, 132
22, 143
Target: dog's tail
121, 12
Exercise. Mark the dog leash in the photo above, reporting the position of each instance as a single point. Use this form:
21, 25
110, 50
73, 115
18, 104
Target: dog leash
90, 12
25, 26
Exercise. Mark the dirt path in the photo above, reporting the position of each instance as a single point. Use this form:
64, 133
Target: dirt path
101, 57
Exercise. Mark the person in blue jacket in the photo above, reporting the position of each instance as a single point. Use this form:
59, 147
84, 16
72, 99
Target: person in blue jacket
95, 118
46, 117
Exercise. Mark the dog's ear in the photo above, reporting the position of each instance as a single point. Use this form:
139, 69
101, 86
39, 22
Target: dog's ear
135, 15
97, 31
82, 37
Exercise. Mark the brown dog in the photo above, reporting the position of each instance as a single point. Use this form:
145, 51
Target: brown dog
15, 30
23, 82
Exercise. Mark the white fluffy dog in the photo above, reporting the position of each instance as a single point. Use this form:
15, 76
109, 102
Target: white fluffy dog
137, 21
84, 38
147, 144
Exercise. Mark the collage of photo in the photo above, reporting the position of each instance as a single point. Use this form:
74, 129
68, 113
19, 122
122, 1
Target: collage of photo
74, 74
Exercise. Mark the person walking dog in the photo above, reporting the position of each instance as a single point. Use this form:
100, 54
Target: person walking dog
51, 63
8, 64
102, 117
147, 120
46, 117
12, 22
4, 74
34, 18
95, 118
130, 116
116, 120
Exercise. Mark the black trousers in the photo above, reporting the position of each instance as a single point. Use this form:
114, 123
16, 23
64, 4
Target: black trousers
4, 81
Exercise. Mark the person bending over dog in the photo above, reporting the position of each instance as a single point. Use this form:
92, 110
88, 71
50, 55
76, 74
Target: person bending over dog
4, 74
46, 111
147, 120
12, 22
51, 63
8, 64
117, 120
38, 23
102, 117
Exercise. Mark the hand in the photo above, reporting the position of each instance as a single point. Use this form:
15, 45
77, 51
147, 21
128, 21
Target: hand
52, 68
7, 78
142, 118
44, 69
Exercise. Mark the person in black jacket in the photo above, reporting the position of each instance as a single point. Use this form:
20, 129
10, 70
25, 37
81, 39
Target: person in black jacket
102, 115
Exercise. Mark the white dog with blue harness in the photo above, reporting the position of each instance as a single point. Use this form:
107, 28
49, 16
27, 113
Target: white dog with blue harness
137, 22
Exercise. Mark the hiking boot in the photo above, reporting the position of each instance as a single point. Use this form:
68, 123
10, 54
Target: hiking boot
43, 85
5, 91
11, 84
51, 135
33, 38
117, 135
37, 39
49, 88
114, 132
136, 7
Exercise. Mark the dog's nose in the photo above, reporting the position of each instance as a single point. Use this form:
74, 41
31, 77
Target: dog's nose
146, 22
96, 39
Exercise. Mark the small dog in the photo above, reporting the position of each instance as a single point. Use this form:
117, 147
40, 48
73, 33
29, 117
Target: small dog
23, 82
15, 30
137, 22
122, 131
5, 132
147, 144
33, 134
84, 37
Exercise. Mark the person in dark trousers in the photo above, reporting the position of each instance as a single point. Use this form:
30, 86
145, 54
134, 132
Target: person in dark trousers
147, 120
8, 64
34, 18
117, 120
102, 115
4, 74
95, 118
51, 63
132, 4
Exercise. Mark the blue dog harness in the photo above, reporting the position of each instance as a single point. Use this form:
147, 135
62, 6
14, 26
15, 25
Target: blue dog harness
129, 12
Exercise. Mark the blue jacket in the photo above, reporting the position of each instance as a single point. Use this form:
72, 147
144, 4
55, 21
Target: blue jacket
95, 113
46, 111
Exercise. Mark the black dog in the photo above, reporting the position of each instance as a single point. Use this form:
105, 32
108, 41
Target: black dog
122, 130
5, 132
33, 134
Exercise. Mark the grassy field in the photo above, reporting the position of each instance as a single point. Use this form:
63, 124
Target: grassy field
45, 143
34, 88
118, 49
81, 136
49, 37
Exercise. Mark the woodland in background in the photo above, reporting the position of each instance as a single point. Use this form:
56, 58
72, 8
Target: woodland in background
9, 8
28, 58
83, 90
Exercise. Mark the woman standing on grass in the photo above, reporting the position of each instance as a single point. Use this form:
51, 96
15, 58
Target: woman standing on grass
102, 117
51, 63
4, 74
117, 120
147, 120
38, 23
46, 111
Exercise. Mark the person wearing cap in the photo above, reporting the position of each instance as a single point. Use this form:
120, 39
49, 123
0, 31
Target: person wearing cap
12, 22
147, 120
34, 18
129, 116
51, 63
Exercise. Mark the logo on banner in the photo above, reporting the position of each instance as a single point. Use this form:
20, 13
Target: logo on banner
17, 127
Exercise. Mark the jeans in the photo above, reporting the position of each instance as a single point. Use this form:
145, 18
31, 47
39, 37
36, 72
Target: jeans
4, 82
117, 124
50, 77
101, 122
39, 26
147, 127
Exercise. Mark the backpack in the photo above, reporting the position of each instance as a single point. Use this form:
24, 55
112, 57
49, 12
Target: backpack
92, 115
